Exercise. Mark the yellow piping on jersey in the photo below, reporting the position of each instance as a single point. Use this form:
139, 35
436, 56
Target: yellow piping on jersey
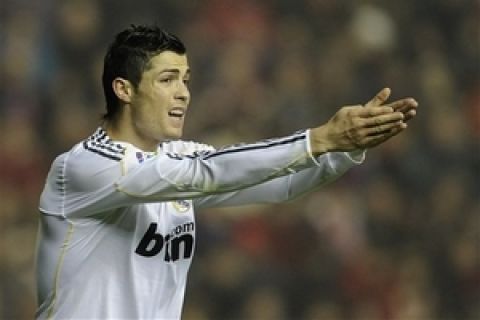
123, 165
66, 242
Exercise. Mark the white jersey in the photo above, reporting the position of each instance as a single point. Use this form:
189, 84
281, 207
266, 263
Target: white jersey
117, 226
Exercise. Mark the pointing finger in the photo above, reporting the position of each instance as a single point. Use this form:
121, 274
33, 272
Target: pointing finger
372, 112
380, 98
382, 119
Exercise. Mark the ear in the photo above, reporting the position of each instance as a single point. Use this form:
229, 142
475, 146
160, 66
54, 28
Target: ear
123, 89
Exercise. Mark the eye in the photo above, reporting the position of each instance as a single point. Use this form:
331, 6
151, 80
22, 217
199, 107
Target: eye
166, 80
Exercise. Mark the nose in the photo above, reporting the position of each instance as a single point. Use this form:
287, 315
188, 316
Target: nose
182, 93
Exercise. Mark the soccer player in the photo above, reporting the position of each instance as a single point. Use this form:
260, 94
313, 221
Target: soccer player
117, 224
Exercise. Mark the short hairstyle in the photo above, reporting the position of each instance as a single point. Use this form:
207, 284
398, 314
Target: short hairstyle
129, 55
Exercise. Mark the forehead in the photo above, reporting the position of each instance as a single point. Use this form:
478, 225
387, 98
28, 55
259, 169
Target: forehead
168, 60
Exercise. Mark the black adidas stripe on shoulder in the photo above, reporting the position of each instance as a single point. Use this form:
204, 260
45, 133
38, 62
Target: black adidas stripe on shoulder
100, 151
101, 144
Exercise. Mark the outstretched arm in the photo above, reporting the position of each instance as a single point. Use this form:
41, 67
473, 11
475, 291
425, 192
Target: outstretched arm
82, 188
330, 166
370, 126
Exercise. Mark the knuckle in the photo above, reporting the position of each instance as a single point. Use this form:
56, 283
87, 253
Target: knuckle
351, 111
347, 111
356, 122
341, 113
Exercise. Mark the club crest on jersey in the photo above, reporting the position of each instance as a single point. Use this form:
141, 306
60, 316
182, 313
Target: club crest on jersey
140, 157
181, 205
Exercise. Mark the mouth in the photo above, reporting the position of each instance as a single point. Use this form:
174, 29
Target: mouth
177, 113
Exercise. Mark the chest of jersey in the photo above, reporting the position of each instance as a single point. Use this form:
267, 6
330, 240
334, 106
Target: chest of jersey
166, 230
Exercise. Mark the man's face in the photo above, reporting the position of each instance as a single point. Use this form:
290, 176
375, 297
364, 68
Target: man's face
159, 104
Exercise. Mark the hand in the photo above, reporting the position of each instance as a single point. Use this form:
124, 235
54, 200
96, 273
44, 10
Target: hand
362, 127
406, 106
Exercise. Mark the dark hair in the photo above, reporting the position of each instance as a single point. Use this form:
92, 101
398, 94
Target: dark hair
129, 56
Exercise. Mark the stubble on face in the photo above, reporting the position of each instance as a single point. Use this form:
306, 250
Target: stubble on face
161, 100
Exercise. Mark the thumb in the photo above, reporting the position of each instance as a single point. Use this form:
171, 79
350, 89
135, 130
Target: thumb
380, 98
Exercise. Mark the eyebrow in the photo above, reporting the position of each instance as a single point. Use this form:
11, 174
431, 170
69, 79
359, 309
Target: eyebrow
173, 70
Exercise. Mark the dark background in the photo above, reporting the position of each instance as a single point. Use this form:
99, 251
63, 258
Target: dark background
396, 238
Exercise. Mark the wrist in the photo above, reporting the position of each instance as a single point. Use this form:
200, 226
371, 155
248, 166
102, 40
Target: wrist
319, 141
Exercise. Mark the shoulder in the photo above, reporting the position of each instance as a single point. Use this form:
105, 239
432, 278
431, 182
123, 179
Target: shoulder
90, 164
100, 145
185, 148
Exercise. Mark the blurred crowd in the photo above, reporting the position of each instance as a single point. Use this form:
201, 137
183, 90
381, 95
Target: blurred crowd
395, 238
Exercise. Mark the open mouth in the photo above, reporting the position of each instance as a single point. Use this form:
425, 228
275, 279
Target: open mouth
176, 113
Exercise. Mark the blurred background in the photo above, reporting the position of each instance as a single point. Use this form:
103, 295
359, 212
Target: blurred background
395, 238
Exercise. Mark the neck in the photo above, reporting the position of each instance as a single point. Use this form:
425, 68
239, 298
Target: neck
121, 130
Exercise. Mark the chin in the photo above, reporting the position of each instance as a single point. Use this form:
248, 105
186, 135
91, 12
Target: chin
174, 135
